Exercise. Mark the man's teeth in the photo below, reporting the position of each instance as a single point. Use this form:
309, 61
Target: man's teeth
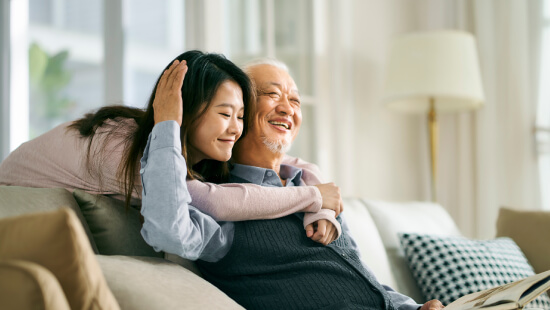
280, 124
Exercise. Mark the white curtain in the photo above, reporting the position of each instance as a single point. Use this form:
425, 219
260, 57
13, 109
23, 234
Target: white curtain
334, 92
488, 157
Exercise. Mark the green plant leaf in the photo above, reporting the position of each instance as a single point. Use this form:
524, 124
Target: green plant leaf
38, 61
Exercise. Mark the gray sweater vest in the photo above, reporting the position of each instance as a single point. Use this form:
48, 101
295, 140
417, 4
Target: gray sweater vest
273, 265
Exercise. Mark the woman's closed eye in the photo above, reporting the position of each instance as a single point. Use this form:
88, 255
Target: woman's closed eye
228, 115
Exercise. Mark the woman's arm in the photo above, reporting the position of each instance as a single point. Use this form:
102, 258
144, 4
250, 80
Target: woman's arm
170, 223
311, 175
239, 202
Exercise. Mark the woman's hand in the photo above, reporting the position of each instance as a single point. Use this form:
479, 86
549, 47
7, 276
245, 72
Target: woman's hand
322, 231
331, 197
168, 104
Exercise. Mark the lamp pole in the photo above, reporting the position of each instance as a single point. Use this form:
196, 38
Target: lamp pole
434, 135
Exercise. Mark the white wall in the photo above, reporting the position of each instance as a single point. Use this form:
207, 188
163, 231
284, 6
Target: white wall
390, 148
486, 158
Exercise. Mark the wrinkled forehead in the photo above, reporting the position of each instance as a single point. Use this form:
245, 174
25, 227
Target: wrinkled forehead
268, 75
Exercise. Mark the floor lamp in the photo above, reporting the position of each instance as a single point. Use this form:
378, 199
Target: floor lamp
432, 72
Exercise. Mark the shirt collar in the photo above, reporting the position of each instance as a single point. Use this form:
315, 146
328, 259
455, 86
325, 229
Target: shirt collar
267, 177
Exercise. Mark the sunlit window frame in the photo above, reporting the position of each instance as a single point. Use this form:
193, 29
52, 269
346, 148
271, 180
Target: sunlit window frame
108, 48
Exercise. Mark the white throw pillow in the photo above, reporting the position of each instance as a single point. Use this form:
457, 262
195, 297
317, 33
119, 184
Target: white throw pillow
393, 218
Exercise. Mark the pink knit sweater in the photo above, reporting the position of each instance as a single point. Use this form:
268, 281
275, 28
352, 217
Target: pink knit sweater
58, 159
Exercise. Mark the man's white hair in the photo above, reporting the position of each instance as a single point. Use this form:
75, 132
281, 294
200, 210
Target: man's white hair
264, 61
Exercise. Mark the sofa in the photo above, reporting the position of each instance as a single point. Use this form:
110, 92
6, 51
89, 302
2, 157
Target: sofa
141, 278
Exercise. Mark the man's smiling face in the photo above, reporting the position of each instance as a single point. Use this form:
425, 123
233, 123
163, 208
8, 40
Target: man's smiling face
278, 112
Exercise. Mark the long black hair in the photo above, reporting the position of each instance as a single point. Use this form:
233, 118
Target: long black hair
206, 72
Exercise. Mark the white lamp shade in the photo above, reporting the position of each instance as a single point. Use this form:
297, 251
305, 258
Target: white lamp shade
442, 65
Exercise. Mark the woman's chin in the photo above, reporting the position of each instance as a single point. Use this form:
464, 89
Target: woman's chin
224, 157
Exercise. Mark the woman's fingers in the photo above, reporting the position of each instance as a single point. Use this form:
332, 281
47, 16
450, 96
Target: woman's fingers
165, 77
181, 76
175, 75
309, 230
167, 104
334, 235
328, 235
321, 230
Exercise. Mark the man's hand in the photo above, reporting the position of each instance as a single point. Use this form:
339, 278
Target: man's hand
322, 231
168, 104
331, 197
433, 304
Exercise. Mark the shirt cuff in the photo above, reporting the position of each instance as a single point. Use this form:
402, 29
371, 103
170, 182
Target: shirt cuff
165, 134
318, 201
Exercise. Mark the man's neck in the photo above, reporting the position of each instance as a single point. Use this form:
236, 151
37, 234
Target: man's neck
255, 153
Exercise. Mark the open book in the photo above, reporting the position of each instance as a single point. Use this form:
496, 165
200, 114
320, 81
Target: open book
513, 295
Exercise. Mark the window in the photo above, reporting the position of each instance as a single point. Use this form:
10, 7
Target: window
155, 35
65, 61
259, 28
68, 73
84, 54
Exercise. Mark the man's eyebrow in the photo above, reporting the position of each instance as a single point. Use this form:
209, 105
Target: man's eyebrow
294, 90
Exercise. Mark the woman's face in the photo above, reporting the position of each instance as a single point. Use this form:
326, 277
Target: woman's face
215, 133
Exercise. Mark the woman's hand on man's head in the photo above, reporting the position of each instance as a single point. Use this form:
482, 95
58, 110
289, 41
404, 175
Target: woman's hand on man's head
168, 104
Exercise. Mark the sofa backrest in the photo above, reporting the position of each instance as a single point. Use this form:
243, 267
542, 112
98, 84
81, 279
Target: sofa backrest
16, 200
369, 242
111, 229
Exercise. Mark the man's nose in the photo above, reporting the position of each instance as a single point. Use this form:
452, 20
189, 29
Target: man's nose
284, 106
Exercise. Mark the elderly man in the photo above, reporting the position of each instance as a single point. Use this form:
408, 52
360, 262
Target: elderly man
272, 264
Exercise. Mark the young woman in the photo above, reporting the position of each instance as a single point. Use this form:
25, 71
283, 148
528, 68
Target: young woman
100, 153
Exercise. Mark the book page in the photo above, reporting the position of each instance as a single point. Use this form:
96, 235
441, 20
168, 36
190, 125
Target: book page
503, 297
535, 290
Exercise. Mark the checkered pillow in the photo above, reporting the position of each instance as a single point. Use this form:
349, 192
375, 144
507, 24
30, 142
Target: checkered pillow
447, 268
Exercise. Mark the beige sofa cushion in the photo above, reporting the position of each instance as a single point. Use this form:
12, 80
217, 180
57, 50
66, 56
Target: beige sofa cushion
143, 283
530, 231
56, 241
29, 286
17, 200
